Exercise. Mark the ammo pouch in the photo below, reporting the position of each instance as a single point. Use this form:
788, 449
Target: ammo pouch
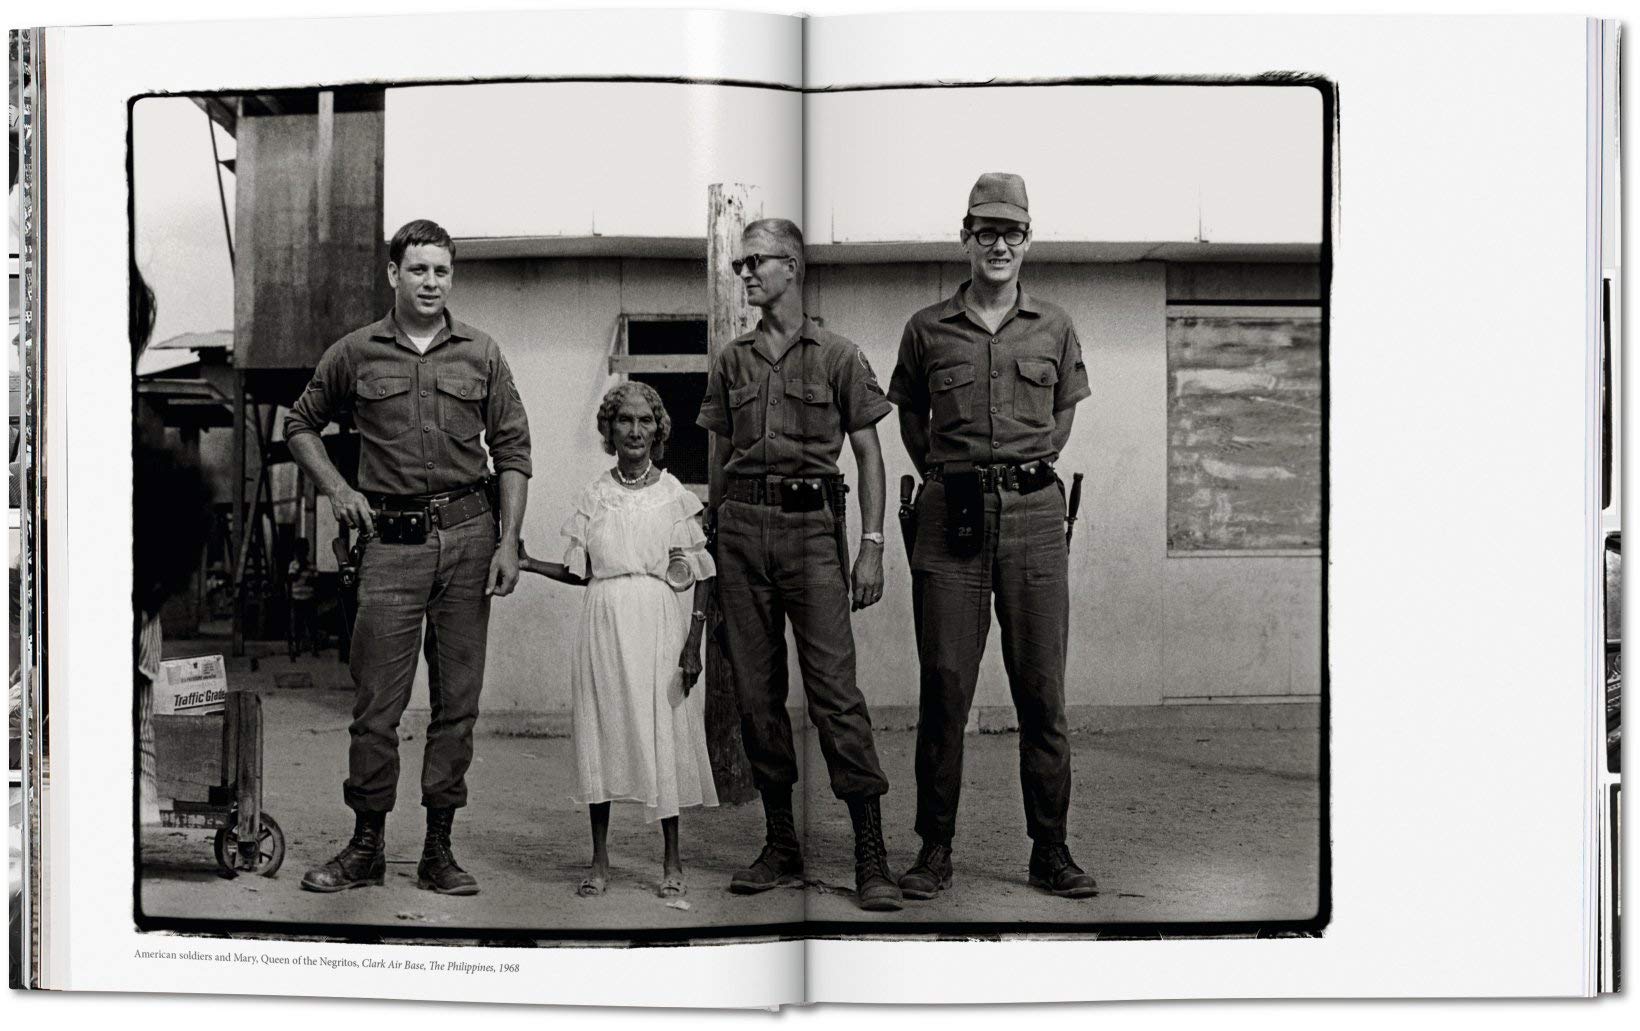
402, 526
802, 495
1030, 477
964, 509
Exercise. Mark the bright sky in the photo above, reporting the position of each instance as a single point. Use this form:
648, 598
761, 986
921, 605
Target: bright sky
1142, 163
1101, 163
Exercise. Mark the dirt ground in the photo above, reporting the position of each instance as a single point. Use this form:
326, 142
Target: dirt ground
1178, 825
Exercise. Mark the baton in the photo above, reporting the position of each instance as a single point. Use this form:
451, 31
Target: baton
908, 514
1074, 504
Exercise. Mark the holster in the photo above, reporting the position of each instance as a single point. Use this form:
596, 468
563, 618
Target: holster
964, 509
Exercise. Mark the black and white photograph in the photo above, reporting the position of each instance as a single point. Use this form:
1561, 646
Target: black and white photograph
1614, 652
651, 511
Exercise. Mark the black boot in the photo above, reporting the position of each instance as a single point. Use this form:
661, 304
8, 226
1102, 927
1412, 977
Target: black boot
930, 874
874, 886
363, 862
780, 864
1053, 869
437, 870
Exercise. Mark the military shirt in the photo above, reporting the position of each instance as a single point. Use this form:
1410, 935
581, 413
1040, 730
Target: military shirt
788, 417
419, 416
990, 397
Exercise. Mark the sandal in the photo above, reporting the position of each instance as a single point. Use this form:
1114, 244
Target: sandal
591, 887
673, 887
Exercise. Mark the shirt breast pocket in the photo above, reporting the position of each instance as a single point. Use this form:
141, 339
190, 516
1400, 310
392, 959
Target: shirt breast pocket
382, 407
811, 411
951, 396
1033, 391
461, 404
745, 414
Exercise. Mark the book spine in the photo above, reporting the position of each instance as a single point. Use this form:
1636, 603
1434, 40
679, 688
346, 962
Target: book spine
27, 262
1605, 171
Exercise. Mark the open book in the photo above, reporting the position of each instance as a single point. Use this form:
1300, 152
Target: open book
1130, 509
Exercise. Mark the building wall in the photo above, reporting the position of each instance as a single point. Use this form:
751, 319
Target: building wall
1146, 629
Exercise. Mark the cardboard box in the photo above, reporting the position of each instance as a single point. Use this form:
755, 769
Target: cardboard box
191, 687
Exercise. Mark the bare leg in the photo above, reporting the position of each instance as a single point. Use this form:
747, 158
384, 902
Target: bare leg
673, 864
672, 883
598, 879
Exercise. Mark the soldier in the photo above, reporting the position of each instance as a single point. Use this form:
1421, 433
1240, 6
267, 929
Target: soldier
422, 387
783, 397
986, 383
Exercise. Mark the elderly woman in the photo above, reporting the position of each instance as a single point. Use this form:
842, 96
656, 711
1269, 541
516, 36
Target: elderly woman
635, 540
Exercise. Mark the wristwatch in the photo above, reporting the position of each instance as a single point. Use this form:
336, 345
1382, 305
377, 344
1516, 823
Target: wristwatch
875, 538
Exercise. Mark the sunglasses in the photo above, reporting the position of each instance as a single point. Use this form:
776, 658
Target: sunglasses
988, 237
754, 260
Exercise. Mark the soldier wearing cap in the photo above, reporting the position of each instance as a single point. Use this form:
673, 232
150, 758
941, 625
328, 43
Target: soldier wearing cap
422, 388
783, 398
986, 383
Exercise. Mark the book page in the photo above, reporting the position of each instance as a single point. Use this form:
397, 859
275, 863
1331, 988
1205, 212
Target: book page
1306, 692
553, 175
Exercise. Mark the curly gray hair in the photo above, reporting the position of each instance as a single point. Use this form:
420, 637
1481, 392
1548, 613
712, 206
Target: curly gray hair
634, 391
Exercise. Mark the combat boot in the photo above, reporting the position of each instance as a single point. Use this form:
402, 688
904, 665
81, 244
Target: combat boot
438, 870
1053, 869
780, 864
362, 862
930, 874
874, 886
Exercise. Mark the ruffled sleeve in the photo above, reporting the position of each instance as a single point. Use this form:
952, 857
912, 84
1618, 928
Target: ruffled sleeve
574, 531
688, 536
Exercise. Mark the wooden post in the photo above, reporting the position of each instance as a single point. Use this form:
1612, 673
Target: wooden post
729, 206
240, 534
245, 709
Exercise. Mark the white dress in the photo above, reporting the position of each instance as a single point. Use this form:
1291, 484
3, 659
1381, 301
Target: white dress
637, 736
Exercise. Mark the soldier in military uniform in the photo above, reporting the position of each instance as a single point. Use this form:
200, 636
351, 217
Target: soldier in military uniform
783, 397
421, 387
986, 384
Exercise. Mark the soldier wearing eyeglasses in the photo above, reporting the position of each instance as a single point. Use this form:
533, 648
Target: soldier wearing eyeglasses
986, 384
783, 398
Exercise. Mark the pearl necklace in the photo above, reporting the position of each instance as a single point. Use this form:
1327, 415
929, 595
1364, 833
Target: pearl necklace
636, 479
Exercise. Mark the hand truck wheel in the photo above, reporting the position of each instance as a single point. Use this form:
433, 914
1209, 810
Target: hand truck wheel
270, 848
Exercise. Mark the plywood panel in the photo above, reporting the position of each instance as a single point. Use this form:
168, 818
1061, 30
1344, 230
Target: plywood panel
311, 257
1244, 430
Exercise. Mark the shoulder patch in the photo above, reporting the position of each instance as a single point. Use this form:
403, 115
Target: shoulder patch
865, 366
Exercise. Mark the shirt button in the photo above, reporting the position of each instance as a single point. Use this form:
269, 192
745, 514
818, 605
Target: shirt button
809, 396
993, 340
994, 443
771, 434
429, 429
993, 409
993, 374
424, 393
775, 367
774, 402
424, 361
429, 465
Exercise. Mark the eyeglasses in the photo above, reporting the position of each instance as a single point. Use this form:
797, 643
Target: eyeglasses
754, 260
988, 237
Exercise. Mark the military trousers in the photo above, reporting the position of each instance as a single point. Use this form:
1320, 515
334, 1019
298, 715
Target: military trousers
403, 588
1021, 567
774, 566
